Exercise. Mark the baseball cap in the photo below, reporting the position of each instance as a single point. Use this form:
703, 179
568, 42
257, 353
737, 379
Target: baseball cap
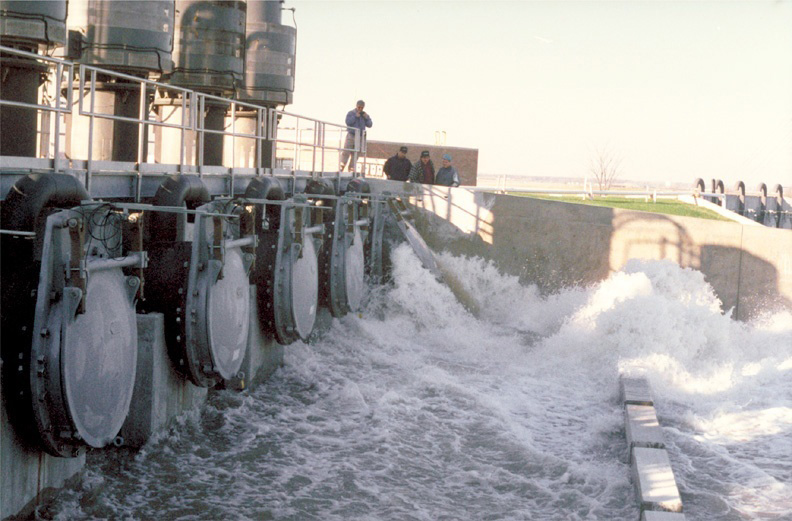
447, 157
425, 153
403, 149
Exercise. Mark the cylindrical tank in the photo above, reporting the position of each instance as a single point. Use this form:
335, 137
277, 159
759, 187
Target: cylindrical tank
19, 81
208, 51
270, 52
245, 153
33, 23
167, 141
112, 140
133, 37
125, 35
25, 25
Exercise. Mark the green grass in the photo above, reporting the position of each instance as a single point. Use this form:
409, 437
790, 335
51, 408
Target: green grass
665, 206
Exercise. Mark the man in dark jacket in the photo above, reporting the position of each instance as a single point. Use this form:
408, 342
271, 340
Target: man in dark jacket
447, 175
397, 168
423, 170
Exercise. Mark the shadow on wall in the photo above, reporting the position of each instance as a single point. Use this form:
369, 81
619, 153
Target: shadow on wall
555, 245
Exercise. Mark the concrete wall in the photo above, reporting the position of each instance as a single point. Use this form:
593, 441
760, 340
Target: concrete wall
554, 244
26, 473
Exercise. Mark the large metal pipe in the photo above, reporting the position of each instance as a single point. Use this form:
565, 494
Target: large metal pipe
112, 140
19, 82
270, 55
135, 38
208, 49
208, 57
28, 26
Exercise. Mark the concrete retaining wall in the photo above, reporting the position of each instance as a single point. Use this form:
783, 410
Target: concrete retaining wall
554, 244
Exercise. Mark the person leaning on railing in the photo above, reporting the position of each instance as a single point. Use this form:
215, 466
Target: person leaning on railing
397, 168
447, 175
355, 119
423, 170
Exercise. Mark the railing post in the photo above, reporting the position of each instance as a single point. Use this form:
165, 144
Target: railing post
56, 148
355, 154
313, 149
142, 139
258, 142
200, 130
89, 163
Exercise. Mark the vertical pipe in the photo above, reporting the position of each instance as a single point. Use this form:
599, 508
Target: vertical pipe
142, 141
58, 82
20, 83
89, 164
201, 121
260, 129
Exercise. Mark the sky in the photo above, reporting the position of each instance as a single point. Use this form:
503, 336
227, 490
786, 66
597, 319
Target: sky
675, 90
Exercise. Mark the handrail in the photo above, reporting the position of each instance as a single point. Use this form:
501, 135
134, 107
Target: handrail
61, 67
311, 135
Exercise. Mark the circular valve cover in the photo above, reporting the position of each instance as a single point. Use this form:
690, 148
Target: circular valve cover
228, 316
354, 273
305, 289
99, 359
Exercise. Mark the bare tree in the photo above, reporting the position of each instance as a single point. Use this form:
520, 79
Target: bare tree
605, 166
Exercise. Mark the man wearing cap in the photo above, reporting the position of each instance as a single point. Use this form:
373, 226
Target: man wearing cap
355, 119
447, 175
423, 170
397, 168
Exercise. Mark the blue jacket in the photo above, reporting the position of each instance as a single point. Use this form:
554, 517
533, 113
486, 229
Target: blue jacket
447, 176
359, 122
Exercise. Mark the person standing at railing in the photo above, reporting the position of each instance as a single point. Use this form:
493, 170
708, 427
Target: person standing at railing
355, 119
423, 170
397, 168
447, 175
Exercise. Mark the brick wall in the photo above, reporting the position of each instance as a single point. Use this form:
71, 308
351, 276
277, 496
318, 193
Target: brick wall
464, 159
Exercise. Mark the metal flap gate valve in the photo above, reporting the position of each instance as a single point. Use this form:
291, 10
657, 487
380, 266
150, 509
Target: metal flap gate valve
266, 226
69, 332
343, 257
218, 295
84, 355
347, 258
296, 278
374, 245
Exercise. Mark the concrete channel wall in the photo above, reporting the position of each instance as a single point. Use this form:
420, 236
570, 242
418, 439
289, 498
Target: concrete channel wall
556, 244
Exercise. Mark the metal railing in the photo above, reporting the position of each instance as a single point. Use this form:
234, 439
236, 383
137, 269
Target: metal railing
61, 106
323, 141
308, 144
89, 73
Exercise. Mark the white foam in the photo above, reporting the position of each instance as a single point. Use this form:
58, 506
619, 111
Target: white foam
418, 410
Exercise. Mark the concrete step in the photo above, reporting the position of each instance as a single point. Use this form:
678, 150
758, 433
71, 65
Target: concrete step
643, 429
656, 487
635, 391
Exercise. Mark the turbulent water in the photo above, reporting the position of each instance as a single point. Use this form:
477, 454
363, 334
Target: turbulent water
417, 410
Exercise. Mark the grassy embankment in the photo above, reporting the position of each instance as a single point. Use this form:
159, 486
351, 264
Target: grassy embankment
665, 206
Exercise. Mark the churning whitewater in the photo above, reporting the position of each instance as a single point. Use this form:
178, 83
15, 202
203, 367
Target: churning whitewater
419, 411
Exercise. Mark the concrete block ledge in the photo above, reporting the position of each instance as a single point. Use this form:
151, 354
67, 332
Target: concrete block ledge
635, 391
643, 429
653, 478
656, 487
650, 515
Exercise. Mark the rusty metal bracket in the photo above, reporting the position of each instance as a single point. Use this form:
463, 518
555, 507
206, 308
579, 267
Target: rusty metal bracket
218, 244
78, 276
136, 220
